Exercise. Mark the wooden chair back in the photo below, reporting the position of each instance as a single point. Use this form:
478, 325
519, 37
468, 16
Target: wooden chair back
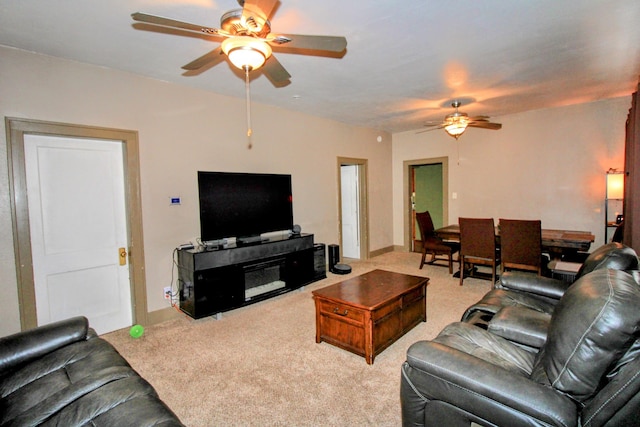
521, 244
477, 237
425, 224
432, 244
477, 245
618, 235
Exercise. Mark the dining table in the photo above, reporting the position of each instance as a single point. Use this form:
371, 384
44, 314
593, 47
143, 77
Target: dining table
558, 243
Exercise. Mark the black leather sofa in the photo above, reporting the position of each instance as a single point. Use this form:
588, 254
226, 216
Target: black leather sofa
543, 293
519, 307
587, 372
63, 374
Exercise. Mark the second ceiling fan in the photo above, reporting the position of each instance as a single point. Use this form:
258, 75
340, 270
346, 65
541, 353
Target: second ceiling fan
457, 122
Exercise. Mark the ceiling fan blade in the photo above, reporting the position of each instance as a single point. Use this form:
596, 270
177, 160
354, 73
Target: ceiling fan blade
275, 72
208, 59
297, 41
166, 22
434, 127
259, 8
485, 125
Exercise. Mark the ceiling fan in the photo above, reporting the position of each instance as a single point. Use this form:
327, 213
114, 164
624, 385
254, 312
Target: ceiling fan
457, 122
248, 43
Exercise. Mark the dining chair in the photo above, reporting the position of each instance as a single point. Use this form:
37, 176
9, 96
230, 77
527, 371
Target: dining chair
434, 245
521, 245
478, 247
618, 235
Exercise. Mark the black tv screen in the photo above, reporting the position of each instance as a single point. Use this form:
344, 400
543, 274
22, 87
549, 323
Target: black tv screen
243, 204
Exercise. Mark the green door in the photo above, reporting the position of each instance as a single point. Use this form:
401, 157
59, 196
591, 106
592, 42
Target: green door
428, 194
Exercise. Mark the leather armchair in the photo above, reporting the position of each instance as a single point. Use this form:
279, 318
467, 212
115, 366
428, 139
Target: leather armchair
64, 374
586, 374
543, 293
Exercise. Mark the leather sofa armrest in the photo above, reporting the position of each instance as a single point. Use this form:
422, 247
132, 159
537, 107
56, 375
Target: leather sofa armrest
435, 372
521, 325
26, 346
539, 285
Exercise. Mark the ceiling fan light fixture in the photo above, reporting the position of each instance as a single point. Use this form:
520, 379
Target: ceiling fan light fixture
457, 124
456, 129
246, 53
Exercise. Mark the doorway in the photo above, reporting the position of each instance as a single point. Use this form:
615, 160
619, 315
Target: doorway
426, 189
25, 136
352, 207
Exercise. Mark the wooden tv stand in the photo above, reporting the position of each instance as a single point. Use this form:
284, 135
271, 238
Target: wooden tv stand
215, 280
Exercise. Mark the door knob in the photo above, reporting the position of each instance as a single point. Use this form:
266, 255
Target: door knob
123, 256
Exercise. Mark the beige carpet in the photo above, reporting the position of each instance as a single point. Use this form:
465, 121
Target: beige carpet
260, 365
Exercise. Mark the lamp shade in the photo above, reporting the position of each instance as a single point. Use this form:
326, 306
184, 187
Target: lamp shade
615, 185
246, 52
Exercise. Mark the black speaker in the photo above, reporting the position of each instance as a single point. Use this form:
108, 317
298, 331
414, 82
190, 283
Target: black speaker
334, 256
319, 262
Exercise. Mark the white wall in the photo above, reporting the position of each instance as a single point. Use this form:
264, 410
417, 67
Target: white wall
183, 130
547, 164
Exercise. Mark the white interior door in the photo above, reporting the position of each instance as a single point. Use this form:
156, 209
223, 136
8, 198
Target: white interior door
76, 199
350, 211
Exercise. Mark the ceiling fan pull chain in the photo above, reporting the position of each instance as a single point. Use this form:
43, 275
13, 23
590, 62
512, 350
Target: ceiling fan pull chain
248, 91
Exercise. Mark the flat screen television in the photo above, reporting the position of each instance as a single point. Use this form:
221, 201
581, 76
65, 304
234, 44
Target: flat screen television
243, 205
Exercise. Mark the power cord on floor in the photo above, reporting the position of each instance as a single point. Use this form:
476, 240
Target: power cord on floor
173, 296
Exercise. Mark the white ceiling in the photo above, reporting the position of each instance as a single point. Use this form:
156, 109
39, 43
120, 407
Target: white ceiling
405, 60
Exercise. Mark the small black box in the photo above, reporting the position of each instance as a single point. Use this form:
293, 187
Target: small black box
334, 256
319, 262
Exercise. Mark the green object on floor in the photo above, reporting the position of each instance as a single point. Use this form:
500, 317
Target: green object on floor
136, 331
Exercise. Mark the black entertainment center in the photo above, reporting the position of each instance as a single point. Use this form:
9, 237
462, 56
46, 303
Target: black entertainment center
240, 260
221, 279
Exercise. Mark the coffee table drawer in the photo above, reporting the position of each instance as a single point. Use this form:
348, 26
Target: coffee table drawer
337, 310
341, 325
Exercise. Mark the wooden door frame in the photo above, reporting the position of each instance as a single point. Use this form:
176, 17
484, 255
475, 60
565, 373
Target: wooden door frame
408, 211
363, 200
16, 129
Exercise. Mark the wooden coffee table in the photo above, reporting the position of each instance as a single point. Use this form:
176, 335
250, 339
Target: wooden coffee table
368, 313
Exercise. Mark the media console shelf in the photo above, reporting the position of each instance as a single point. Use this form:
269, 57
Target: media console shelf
215, 280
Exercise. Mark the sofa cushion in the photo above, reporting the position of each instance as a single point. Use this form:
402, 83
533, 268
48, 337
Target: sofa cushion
593, 325
496, 350
120, 398
69, 371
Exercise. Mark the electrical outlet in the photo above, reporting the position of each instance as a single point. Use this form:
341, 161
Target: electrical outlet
167, 292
